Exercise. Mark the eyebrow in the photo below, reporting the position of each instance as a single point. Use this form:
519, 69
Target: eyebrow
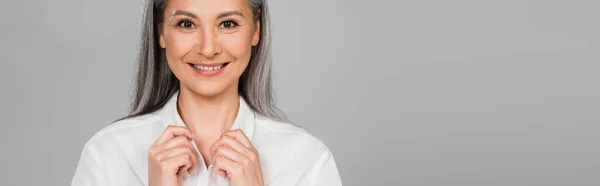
185, 13
230, 13
221, 15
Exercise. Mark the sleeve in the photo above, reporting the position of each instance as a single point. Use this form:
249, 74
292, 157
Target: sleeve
90, 170
328, 175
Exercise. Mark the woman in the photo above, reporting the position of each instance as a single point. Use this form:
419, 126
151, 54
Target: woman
202, 113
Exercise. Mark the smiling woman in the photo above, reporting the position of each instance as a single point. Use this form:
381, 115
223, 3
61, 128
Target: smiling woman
202, 113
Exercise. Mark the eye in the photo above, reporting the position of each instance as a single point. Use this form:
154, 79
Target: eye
229, 24
186, 24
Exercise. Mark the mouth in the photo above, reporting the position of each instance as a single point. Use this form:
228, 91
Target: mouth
209, 70
209, 67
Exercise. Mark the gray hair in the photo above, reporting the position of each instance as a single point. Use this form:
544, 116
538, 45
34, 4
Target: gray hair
155, 84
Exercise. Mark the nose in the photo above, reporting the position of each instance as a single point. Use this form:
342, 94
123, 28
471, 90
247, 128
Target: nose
208, 45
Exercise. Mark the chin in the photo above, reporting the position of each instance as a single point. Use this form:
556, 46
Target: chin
209, 89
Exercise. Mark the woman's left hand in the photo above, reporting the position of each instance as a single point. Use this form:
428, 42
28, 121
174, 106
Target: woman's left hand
234, 156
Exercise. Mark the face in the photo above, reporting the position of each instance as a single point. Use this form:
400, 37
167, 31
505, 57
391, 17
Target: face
208, 43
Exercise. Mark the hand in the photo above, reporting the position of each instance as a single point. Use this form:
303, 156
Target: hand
170, 156
234, 156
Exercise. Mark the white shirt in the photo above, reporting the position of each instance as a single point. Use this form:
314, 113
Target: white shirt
289, 155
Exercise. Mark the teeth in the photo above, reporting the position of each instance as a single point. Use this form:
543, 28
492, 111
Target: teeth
205, 68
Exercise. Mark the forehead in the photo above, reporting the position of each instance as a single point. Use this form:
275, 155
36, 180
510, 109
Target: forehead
208, 8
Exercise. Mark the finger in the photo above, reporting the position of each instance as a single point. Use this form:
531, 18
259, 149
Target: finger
233, 144
185, 168
174, 142
176, 151
226, 152
180, 143
172, 152
219, 171
172, 131
239, 135
174, 164
224, 167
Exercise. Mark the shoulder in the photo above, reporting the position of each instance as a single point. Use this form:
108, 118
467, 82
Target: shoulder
115, 134
283, 145
118, 150
288, 134
285, 139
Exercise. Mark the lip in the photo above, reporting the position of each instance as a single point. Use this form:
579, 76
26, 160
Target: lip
208, 73
208, 64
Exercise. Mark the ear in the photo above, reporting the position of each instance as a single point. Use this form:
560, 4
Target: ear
161, 38
256, 35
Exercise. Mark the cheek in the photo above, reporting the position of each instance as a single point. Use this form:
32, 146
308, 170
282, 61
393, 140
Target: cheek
178, 45
238, 45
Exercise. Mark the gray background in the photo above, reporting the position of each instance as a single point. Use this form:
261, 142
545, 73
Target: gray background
436, 92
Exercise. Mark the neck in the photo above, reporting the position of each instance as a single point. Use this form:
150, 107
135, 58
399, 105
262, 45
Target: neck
208, 116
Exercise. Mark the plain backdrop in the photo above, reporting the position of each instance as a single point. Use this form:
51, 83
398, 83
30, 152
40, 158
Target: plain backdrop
424, 93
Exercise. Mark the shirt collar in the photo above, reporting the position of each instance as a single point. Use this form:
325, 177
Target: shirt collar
244, 120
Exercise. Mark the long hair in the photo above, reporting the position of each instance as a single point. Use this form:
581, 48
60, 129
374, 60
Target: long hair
155, 83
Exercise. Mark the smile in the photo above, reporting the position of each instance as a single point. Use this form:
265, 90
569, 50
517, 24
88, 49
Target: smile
209, 68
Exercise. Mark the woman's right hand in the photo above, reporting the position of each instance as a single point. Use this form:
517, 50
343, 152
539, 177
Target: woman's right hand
170, 156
